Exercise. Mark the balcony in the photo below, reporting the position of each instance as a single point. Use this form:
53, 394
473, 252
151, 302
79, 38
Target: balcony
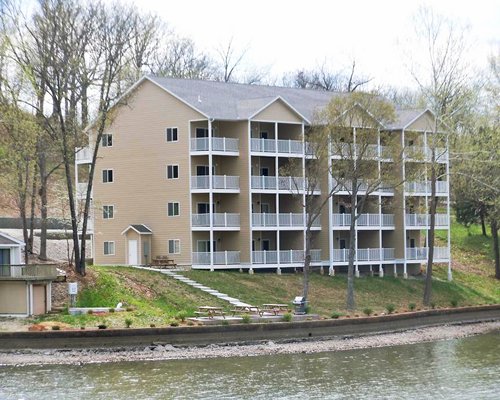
28, 272
283, 184
424, 188
285, 221
421, 253
220, 145
285, 256
378, 221
83, 155
220, 183
364, 255
221, 221
81, 190
219, 258
279, 147
371, 151
421, 153
424, 220
346, 187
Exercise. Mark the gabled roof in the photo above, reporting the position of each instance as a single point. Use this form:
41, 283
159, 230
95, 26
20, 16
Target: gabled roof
7, 240
139, 228
404, 118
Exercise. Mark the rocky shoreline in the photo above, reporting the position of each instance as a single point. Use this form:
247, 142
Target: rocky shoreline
158, 352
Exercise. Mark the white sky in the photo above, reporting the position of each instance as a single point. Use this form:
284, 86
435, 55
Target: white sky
286, 35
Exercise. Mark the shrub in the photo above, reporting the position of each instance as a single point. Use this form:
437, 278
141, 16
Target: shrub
111, 310
390, 308
454, 302
130, 309
287, 317
90, 312
82, 327
182, 315
56, 327
368, 311
307, 309
102, 326
245, 319
433, 305
336, 314
412, 306
152, 325
128, 322
191, 323
174, 323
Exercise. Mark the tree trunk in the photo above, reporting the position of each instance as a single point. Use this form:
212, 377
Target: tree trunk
32, 213
483, 224
430, 241
307, 263
22, 206
42, 166
350, 302
496, 250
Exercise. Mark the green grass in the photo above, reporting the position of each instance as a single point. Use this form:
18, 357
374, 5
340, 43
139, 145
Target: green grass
155, 298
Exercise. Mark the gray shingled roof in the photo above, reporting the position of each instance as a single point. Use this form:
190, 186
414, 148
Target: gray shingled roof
234, 101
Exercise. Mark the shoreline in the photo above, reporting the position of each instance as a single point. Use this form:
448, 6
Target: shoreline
159, 352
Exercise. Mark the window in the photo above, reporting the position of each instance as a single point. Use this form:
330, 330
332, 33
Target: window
202, 132
263, 135
204, 170
109, 248
173, 209
171, 134
172, 171
107, 175
107, 140
174, 246
107, 212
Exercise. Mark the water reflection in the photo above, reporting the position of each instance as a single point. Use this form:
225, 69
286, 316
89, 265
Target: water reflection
465, 368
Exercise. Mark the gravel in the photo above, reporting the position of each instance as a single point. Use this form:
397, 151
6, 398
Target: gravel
169, 352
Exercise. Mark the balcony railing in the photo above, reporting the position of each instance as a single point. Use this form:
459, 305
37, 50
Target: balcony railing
83, 155
417, 220
284, 219
81, 190
226, 182
283, 146
285, 256
425, 187
219, 258
263, 145
347, 186
421, 153
283, 183
364, 255
28, 272
220, 220
421, 253
220, 144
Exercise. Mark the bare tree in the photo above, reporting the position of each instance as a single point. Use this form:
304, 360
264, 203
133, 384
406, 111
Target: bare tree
352, 124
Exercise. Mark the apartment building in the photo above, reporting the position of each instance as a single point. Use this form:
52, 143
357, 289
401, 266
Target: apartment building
192, 170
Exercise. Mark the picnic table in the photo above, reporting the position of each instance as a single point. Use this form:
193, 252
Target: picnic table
275, 308
246, 309
211, 312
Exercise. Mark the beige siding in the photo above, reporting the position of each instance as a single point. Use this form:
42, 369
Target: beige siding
140, 191
278, 111
13, 298
423, 123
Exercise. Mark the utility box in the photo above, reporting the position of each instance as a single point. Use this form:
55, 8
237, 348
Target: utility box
300, 305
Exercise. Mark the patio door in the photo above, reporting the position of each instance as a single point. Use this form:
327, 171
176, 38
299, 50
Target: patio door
4, 256
204, 246
132, 252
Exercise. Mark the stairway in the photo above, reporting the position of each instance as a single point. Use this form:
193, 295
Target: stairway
174, 273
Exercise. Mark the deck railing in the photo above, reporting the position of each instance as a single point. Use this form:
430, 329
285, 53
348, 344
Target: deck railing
219, 258
220, 220
375, 254
226, 182
221, 144
28, 271
416, 220
284, 220
284, 183
425, 187
421, 253
83, 154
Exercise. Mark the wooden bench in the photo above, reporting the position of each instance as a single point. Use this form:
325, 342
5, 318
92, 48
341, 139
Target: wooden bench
210, 312
246, 310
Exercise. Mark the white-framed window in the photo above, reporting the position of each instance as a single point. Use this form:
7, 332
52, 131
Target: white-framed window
174, 246
107, 176
172, 171
108, 212
171, 135
109, 248
173, 209
107, 140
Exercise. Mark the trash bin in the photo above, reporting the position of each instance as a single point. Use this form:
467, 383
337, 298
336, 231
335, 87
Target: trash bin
300, 305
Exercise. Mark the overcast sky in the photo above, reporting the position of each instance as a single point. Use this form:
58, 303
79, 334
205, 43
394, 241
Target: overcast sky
287, 35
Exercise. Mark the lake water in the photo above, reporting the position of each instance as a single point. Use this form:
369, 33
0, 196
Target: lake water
455, 369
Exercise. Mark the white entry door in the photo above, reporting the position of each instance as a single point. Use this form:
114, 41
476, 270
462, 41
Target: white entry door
132, 252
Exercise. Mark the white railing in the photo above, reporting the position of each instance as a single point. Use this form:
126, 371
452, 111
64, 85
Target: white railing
224, 220
218, 144
421, 253
341, 219
265, 257
369, 220
83, 154
218, 182
219, 258
387, 219
376, 254
263, 145
81, 189
425, 220
283, 183
264, 219
425, 187
290, 146
386, 152
284, 220
291, 219
425, 153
